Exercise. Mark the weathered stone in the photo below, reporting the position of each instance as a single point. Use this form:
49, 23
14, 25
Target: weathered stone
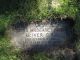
43, 35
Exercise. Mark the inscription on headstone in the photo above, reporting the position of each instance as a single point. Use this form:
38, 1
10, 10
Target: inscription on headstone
41, 36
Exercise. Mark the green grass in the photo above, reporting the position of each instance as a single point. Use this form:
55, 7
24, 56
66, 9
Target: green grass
39, 9
7, 52
32, 10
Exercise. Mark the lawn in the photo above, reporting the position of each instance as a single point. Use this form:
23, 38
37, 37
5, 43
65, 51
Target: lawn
34, 10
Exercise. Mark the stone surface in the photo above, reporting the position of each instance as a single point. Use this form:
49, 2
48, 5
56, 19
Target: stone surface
42, 35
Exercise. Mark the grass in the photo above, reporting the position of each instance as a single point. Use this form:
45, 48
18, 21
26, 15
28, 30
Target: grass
32, 10
7, 52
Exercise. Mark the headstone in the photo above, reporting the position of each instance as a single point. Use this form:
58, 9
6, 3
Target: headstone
41, 36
